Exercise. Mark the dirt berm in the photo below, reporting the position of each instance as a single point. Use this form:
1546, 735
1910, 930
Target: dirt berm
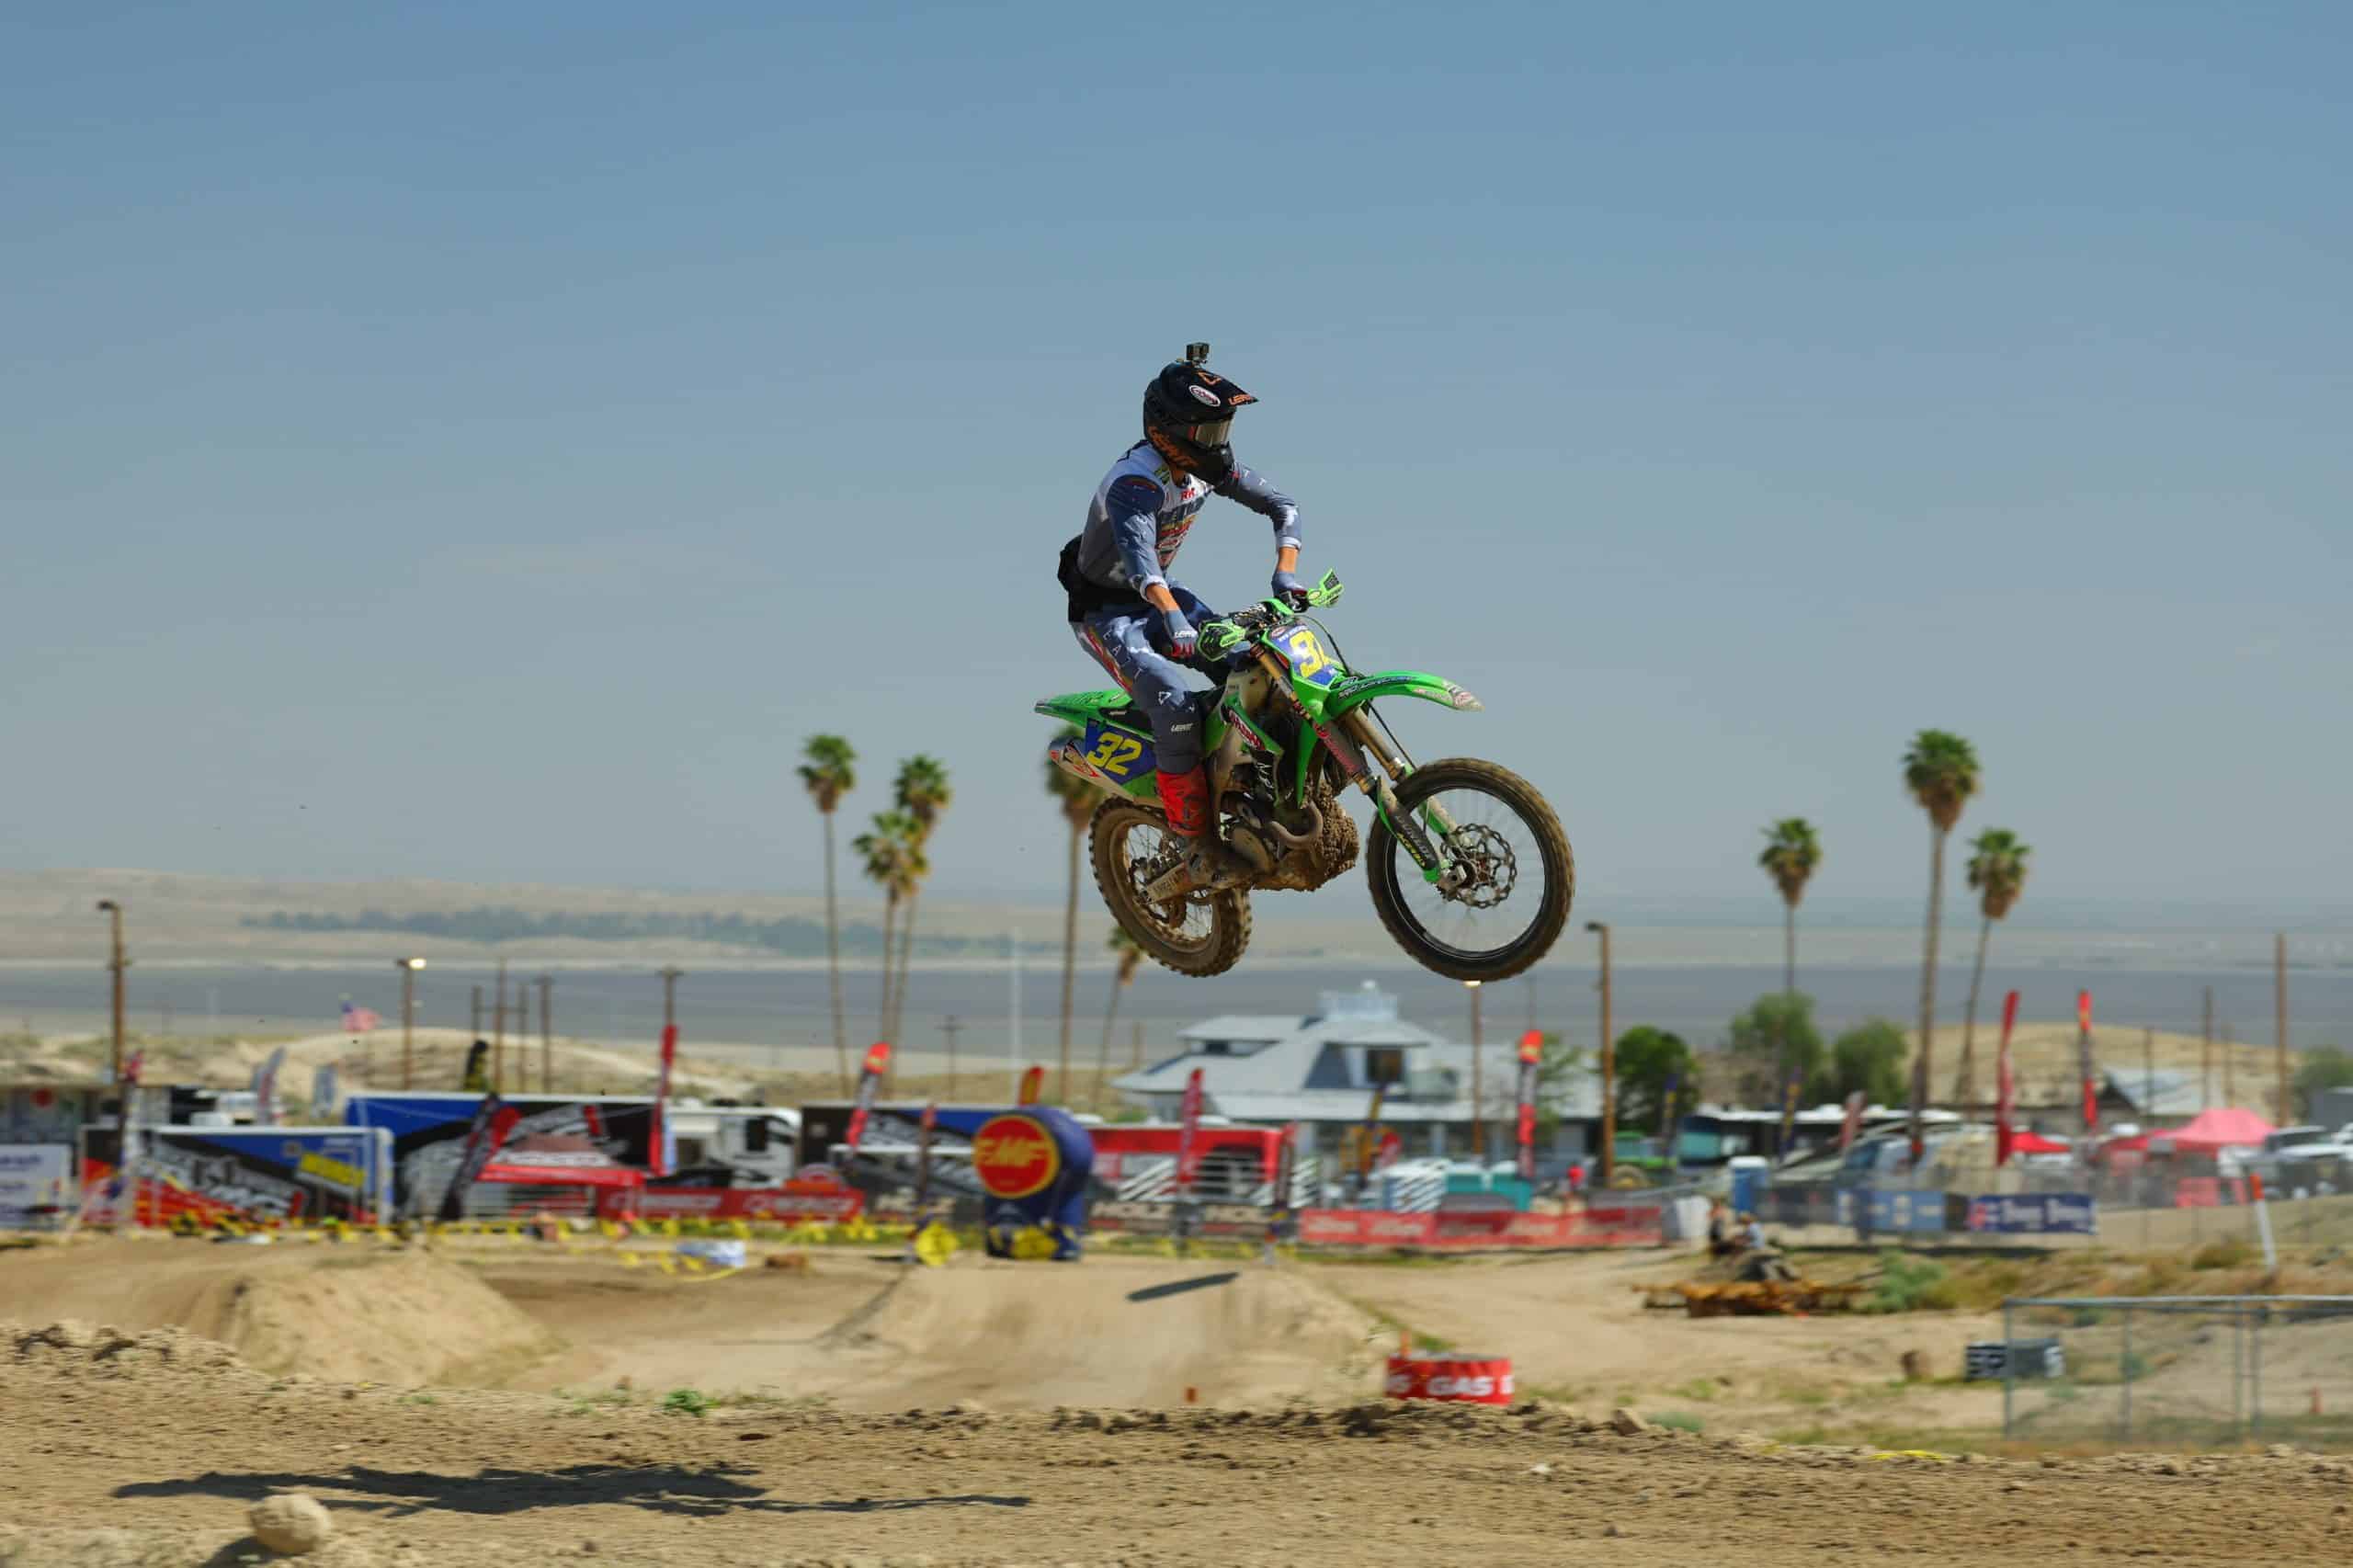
363, 1315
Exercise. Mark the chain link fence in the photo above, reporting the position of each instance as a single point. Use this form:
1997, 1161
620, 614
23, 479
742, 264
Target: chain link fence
2177, 1371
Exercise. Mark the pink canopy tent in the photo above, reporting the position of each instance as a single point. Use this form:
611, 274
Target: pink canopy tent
2032, 1142
2228, 1127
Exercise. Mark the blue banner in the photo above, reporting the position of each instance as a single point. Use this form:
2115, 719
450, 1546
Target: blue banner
1901, 1211
2035, 1213
1033, 1163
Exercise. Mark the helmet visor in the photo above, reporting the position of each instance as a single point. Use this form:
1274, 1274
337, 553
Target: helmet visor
1207, 433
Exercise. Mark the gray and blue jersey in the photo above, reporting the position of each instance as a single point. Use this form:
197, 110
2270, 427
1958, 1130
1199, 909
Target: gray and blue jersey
1141, 512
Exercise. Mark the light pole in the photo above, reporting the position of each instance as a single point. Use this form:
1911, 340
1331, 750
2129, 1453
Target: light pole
1608, 1063
1478, 1082
117, 963
408, 968
546, 1034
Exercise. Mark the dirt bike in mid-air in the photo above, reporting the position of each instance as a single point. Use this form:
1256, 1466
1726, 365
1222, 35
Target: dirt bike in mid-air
1470, 868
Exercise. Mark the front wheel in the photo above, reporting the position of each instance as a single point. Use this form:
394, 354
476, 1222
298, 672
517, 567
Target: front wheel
1198, 932
1508, 903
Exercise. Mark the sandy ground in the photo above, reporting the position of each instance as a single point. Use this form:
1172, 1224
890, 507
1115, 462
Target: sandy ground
138, 1449
1576, 1330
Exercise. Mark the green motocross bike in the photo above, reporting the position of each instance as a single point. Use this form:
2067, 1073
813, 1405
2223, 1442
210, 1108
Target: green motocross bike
1470, 868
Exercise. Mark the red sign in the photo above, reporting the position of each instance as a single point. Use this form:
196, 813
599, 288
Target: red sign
1015, 1156
1455, 1378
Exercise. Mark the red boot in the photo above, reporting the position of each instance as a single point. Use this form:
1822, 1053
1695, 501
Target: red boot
1185, 798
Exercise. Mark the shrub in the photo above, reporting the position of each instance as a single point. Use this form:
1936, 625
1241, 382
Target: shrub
687, 1402
2235, 1252
1909, 1284
1681, 1420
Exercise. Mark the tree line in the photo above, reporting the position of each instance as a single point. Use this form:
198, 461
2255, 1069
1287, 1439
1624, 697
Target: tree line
790, 935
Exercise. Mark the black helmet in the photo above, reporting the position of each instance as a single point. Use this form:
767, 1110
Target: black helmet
1188, 416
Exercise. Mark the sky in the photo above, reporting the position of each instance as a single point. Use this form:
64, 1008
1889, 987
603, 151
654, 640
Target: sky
484, 441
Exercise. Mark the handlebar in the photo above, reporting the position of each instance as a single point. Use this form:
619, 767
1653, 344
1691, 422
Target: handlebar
1223, 635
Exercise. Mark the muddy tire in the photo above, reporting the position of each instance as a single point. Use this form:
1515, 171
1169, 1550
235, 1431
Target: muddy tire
1204, 934
1460, 938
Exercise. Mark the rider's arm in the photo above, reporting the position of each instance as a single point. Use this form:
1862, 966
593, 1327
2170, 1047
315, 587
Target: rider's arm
1252, 490
1132, 505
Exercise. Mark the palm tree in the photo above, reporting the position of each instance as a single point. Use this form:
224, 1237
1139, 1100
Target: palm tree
1792, 852
1997, 870
923, 793
1940, 771
888, 849
831, 772
1076, 798
1131, 956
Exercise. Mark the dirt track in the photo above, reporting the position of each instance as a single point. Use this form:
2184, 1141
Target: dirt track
161, 1442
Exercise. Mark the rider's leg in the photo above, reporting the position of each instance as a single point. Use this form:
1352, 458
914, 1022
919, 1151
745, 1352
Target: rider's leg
1157, 684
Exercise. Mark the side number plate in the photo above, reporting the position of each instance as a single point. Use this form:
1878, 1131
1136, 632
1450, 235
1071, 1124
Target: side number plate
1115, 752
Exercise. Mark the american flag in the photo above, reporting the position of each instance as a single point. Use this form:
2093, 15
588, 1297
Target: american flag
358, 1020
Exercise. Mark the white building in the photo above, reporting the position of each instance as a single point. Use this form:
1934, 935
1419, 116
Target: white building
1321, 1069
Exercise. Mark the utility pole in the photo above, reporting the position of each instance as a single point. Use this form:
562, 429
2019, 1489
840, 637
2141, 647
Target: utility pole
1478, 1081
408, 968
948, 1026
546, 1034
2149, 1073
2280, 1006
2230, 1064
474, 1027
499, 1034
671, 975
2206, 1056
117, 962
1135, 1045
1608, 1063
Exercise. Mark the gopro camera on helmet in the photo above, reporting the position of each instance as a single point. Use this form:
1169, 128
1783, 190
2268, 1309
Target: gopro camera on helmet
1197, 353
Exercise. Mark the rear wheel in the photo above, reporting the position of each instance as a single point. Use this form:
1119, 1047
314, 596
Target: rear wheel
1197, 933
1517, 876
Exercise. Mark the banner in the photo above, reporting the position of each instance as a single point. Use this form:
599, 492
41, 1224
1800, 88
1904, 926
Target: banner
257, 1174
493, 1122
1473, 1229
429, 1133
2005, 1094
1189, 1126
1034, 1163
869, 1083
36, 1183
1531, 1052
923, 1154
2038, 1213
662, 1100
1667, 1113
2084, 1060
813, 1194
1034, 1086
265, 1088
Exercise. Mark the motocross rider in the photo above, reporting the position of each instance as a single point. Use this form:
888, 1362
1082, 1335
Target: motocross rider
1132, 619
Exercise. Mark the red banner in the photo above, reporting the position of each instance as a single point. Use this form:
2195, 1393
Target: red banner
1531, 1052
870, 1082
2005, 1087
1480, 1228
1034, 1086
796, 1200
1455, 1378
2084, 1058
1188, 1126
662, 1100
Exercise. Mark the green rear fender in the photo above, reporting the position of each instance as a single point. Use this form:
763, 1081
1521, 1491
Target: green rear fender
1358, 690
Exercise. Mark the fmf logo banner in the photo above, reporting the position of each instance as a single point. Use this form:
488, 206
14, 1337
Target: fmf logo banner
1033, 1163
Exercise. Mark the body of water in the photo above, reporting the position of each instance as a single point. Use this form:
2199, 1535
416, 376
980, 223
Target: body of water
785, 1013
